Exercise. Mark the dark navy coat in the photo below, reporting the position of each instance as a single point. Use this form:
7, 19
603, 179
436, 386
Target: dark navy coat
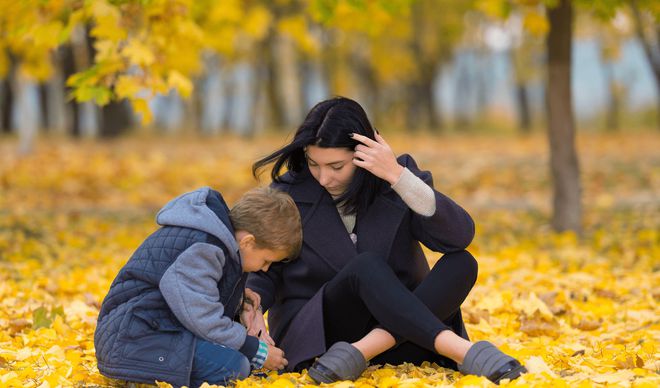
292, 292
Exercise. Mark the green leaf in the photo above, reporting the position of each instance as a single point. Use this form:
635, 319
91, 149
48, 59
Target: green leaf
40, 318
59, 310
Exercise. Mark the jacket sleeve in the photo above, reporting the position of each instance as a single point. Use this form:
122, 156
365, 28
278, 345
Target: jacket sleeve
190, 288
450, 228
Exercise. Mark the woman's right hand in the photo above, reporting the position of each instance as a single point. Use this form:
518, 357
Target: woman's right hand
377, 157
275, 359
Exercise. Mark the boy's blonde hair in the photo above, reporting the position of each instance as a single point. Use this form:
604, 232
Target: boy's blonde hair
272, 217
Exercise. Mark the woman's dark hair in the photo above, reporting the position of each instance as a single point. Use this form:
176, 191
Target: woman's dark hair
328, 125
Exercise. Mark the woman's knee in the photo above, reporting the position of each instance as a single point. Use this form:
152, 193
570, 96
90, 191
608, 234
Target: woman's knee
366, 262
463, 263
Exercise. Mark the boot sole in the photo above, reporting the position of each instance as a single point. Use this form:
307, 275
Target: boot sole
321, 374
512, 374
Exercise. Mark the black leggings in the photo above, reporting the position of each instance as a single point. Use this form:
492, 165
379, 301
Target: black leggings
367, 294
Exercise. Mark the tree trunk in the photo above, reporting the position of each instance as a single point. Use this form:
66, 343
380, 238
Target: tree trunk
462, 93
68, 64
257, 99
44, 105
433, 113
524, 114
482, 77
422, 100
211, 97
369, 88
277, 117
27, 112
289, 81
7, 99
115, 118
523, 107
413, 106
6, 104
76, 57
567, 209
613, 101
229, 97
56, 97
652, 52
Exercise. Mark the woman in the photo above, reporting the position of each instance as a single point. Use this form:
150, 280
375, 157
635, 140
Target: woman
362, 283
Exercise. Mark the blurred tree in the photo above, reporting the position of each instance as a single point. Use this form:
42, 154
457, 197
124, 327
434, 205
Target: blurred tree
609, 50
437, 27
365, 51
6, 95
557, 25
526, 55
564, 164
288, 36
646, 14
609, 27
394, 50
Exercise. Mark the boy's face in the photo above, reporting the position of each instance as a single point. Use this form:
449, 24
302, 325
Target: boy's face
256, 259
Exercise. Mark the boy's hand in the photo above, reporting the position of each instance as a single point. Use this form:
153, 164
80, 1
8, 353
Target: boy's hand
275, 359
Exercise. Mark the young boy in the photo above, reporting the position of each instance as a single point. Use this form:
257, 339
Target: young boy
170, 314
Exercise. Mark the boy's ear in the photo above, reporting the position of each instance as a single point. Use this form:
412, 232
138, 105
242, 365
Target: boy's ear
247, 241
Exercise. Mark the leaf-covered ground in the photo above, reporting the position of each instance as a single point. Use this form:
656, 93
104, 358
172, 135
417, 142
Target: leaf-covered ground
579, 311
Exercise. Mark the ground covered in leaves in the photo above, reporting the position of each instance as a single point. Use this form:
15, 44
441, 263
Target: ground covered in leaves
578, 310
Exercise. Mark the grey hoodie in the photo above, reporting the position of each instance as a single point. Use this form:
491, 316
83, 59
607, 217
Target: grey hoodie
190, 284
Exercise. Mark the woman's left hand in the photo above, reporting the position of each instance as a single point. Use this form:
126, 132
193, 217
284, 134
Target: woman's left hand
253, 317
251, 308
377, 157
253, 297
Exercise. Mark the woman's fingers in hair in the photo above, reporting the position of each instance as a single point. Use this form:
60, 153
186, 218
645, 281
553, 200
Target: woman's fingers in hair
360, 163
363, 148
364, 140
361, 156
377, 158
380, 139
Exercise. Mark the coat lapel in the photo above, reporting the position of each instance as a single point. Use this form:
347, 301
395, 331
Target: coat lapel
377, 228
324, 232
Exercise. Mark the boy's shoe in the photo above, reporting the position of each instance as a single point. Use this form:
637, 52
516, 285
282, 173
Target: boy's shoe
342, 361
484, 359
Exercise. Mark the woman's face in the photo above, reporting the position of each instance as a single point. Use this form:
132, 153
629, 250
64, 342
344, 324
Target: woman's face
333, 168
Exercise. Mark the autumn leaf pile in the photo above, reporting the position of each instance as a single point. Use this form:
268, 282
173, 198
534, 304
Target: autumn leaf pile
577, 310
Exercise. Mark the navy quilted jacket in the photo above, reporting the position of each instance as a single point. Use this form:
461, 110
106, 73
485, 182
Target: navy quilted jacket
184, 282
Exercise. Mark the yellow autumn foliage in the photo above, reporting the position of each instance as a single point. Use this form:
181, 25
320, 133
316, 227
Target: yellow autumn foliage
578, 311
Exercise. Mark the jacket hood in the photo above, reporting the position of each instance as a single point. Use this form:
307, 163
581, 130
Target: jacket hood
203, 209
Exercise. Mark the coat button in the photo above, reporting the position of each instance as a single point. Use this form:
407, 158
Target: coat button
161, 358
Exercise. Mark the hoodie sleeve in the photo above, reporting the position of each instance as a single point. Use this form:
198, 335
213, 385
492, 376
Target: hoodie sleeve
190, 288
